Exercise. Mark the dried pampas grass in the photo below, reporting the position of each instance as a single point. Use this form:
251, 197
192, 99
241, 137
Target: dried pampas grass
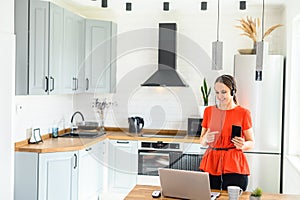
250, 27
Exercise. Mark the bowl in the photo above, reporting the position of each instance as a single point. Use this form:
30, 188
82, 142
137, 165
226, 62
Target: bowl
246, 51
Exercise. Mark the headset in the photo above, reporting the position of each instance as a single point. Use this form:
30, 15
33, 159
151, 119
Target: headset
230, 78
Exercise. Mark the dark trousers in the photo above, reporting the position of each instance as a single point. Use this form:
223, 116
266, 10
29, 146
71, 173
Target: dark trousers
218, 182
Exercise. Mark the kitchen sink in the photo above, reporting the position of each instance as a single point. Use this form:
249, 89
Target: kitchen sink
82, 134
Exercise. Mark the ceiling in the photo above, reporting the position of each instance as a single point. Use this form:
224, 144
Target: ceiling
146, 4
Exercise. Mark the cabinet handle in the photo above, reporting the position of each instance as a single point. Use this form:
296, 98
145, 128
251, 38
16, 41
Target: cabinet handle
123, 142
74, 84
52, 83
75, 166
87, 84
46, 83
88, 149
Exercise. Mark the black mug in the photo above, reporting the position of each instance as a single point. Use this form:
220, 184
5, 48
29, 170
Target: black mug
136, 124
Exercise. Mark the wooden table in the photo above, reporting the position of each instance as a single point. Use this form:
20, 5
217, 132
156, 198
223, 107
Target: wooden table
143, 192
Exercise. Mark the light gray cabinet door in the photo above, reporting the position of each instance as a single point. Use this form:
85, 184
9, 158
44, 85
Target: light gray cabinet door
123, 165
90, 179
46, 176
100, 49
56, 49
58, 176
73, 53
80, 53
38, 43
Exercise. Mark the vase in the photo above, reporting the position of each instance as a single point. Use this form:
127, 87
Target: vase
102, 129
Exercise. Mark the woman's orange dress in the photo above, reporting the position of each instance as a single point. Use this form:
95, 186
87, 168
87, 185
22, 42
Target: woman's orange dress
230, 160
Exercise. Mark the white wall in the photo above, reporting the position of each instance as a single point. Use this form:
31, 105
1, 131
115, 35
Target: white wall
168, 108
7, 43
44, 112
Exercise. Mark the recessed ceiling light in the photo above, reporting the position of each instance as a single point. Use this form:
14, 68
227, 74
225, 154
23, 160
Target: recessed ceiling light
166, 6
242, 5
104, 4
128, 6
203, 5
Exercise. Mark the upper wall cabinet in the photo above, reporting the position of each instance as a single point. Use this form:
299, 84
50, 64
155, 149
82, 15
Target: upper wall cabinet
50, 51
100, 63
73, 53
31, 32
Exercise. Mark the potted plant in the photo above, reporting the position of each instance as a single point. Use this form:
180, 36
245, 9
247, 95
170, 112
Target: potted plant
250, 27
205, 92
256, 194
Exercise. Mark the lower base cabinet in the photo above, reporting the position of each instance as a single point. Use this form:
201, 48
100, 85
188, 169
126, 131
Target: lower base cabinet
91, 165
46, 176
122, 165
74, 175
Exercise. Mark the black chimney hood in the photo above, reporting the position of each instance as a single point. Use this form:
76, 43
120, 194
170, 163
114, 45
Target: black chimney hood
166, 74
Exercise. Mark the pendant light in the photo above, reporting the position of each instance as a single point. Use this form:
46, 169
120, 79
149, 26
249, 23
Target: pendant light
217, 47
261, 50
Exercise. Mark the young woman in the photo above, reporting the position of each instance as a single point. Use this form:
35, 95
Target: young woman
224, 159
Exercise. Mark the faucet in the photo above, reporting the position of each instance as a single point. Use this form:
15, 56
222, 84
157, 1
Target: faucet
73, 128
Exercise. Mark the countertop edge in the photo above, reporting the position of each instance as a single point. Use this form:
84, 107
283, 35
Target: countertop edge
50, 145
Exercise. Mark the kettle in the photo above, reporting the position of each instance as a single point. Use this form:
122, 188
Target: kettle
136, 124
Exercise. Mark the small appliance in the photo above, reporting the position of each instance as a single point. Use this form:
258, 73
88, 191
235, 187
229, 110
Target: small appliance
194, 126
136, 124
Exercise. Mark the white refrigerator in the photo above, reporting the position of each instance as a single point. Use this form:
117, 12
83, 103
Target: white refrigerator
265, 100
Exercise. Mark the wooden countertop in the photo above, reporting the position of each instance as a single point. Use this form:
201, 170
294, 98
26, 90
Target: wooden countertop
73, 144
144, 192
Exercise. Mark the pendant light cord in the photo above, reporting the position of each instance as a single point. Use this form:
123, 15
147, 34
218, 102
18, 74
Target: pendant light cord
263, 21
218, 20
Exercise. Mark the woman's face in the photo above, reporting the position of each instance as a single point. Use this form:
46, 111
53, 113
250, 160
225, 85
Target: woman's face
223, 94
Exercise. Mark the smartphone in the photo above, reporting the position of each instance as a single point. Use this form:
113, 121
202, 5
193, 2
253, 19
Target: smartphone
236, 131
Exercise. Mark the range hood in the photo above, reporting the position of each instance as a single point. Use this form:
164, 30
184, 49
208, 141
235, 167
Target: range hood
166, 74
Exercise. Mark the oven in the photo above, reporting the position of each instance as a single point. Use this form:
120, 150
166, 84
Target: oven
155, 155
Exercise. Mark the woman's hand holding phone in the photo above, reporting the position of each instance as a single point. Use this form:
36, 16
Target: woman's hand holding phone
238, 142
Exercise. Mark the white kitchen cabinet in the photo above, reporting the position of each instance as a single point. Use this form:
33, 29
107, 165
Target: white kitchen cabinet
73, 53
91, 164
122, 165
46, 176
100, 53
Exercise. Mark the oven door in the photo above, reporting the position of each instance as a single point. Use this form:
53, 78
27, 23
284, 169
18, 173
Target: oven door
151, 160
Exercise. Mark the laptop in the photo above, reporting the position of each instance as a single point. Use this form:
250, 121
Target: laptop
186, 184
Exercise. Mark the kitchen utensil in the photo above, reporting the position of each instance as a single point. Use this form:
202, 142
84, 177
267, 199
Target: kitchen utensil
87, 125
